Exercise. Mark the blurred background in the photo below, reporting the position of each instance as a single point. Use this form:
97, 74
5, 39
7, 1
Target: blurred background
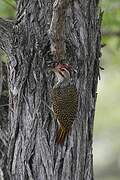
106, 147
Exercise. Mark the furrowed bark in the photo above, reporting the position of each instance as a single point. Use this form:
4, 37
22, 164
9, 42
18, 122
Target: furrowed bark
5, 34
4, 135
57, 29
1, 77
32, 152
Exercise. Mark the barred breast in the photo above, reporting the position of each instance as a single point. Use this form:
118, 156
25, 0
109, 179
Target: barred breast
65, 102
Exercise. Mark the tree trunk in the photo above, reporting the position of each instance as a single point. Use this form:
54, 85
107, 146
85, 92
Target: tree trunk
3, 118
32, 152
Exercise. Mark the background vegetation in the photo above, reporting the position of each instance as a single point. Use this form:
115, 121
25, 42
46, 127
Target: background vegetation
107, 118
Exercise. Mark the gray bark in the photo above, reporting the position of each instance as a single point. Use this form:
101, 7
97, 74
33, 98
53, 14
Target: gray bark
32, 152
1, 76
3, 118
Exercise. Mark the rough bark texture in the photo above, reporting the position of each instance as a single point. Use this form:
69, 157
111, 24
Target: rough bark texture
1, 76
32, 152
57, 29
3, 118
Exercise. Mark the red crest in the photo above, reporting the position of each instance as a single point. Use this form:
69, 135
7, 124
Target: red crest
64, 66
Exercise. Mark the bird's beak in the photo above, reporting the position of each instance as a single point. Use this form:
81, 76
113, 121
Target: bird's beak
74, 70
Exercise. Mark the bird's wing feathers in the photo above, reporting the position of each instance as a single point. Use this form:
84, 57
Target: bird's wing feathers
65, 105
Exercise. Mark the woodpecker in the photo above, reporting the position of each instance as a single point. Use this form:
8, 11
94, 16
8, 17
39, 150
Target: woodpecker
64, 99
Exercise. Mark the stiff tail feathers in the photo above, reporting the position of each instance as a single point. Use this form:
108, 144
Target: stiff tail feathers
61, 134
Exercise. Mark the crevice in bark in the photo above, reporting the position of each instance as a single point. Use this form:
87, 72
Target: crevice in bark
57, 29
4, 133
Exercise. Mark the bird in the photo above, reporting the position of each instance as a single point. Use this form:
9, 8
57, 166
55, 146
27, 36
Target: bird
64, 100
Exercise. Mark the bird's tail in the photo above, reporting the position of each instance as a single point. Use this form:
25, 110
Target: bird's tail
61, 134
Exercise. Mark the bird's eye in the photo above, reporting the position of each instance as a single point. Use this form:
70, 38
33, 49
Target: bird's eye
62, 69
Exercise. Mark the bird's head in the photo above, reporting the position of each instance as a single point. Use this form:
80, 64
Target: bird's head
62, 72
